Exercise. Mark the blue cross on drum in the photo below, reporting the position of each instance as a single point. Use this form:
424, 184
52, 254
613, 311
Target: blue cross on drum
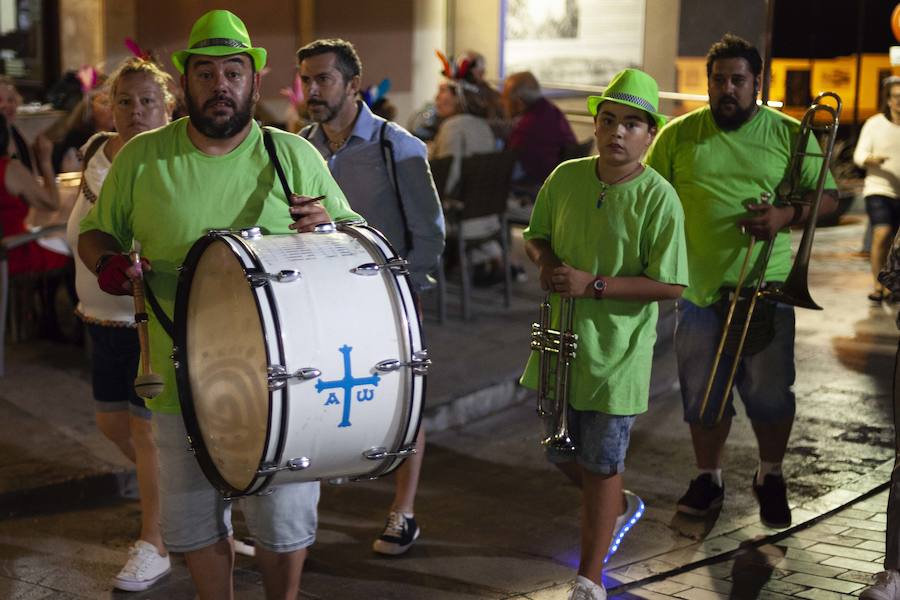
347, 384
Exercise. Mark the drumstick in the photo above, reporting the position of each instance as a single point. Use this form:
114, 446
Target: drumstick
305, 202
147, 384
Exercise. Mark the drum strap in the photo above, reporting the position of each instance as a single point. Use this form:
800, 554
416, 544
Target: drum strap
273, 156
161, 315
387, 153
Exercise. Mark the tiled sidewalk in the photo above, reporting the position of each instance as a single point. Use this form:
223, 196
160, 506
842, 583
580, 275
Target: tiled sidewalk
833, 559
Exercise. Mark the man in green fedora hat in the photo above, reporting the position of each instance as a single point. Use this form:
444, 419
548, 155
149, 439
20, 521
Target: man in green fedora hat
607, 234
721, 158
165, 189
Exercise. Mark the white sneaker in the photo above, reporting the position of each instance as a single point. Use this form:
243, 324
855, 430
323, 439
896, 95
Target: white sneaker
634, 510
585, 589
144, 568
885, 586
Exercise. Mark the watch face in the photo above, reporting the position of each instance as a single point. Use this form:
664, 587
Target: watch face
599, 285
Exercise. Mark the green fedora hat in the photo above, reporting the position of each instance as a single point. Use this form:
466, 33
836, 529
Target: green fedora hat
219, 33
634, 88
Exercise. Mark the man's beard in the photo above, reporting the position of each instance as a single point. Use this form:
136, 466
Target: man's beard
209, 126
330, 111
733, 121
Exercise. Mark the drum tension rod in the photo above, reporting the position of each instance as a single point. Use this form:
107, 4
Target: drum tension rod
294, 464
419, 363
259, 278
380, 452
277, 376
398, 265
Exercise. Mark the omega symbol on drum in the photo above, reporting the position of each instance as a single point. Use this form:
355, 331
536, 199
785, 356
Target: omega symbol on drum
347, 384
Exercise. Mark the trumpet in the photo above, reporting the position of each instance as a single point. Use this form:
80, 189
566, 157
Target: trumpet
795, 290
556, 348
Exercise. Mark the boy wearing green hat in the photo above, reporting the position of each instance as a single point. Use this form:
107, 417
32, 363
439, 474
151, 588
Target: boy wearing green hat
165, 189
607, 232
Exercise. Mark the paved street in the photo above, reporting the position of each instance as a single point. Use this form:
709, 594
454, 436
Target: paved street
497, 521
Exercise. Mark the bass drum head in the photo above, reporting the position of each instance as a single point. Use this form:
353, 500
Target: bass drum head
225, 350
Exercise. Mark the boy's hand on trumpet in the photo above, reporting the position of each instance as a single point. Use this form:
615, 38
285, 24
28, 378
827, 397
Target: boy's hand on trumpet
572, 283
116, 271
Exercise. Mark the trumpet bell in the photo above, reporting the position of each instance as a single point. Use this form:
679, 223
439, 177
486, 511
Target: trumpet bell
559, 442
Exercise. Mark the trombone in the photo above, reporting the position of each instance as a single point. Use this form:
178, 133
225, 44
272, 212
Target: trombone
556, 348
795, 290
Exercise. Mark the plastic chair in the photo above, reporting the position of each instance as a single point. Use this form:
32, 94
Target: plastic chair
483, 189
7, 244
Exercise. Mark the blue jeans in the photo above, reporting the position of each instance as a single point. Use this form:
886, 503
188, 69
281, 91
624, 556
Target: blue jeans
601, 441
765, 380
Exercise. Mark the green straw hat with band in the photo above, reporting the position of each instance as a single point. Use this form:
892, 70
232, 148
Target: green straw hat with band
219, 33
633, 88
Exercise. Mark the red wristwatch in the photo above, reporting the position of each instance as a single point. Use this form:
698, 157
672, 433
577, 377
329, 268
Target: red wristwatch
599, 286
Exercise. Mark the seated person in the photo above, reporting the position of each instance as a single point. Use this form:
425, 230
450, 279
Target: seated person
464, 131
475, 64
19, 191
10, 99
93, 114
540, 131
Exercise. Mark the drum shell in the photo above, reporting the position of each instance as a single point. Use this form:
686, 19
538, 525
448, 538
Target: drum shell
330, 318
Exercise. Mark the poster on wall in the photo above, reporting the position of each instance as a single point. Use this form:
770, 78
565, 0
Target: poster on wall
573, 41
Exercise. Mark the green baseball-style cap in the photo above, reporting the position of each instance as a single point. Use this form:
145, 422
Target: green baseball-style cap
634, 88
219, 33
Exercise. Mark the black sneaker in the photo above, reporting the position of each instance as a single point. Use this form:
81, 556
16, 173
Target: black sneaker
774, 511
399, 534
702, 497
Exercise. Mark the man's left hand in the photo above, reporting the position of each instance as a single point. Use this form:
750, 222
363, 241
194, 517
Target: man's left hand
307, 212
767, 220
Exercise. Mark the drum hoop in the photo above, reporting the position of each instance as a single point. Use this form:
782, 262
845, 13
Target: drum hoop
388, 466
182, 368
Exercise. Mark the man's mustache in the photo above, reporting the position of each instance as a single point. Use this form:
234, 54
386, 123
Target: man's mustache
220, 99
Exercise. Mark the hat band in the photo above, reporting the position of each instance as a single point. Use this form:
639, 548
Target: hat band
633, 99
219, 42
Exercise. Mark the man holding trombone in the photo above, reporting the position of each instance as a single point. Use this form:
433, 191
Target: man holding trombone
725, 160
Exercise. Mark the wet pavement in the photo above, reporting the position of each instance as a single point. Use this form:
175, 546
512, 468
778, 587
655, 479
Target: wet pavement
497, 521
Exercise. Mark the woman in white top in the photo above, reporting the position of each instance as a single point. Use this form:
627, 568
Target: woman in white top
141, 101
464, 130
878, 151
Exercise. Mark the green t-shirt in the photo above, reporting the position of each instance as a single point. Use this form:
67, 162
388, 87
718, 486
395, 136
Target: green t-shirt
638, 230
716, 173
164, 193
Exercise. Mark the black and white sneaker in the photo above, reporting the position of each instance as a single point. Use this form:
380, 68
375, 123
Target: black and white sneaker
399, 534
774, 511
702, 497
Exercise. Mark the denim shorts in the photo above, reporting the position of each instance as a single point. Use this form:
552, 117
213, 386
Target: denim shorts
765, 380
883, 210
195, 515
601, 441
115, 355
